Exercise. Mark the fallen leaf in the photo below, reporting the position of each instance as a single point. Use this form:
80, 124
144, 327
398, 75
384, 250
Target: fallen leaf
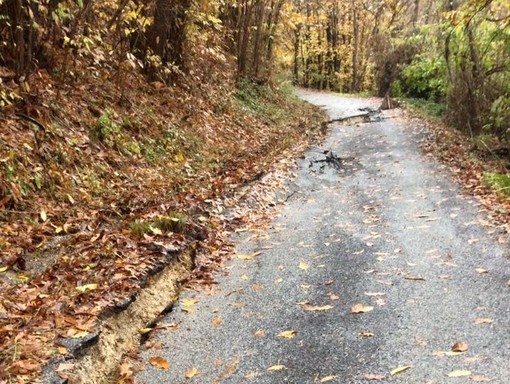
3, 269
244, 277
288, 334
446, 353
460, 347
361, 308
278, 281
260, 333
329, 282
277, 368
303, 266
332, 296
481, 270
484, 321
159, 362
216, 321
459, 373
371, 376
480, 378
317, 308
62, 350
86, 287
327, 379
416, 278
421, 341
43, 215
366, 334
190, 373
375, 293
245, 257
143, 331
398, 370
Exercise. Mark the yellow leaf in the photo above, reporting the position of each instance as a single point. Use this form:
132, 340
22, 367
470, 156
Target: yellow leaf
288, 334
43, 215
62, 350
278, 281
459, 373
190, 373
244, 277
79, 334
189, 302
245, 257
398, 370
360, 308
70, 198
277, 368
143, 331
156, 231
481, 270
303, 266
159, 362
3, 269
366, 334
217, 321
86, 287
260, 333
327, 378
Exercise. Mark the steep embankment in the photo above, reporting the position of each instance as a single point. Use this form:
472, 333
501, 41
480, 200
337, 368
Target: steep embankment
104, 180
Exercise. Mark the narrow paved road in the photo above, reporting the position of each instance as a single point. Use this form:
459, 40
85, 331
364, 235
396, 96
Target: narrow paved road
383, 230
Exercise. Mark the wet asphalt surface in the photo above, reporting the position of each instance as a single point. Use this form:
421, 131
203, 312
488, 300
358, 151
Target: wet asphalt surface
386, 228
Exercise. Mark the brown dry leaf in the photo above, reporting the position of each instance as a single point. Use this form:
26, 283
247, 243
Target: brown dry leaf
159, 362
217, 321
332, 296
460, 347
371, 376
481, 270
366, 334
327, 379
260, 333
43, 215
421, 341
329, 282
484, 321
288, 334
257, 287
480, 378
125, 371
459, 373
398, 370
416, 278
317, 308
303, 266
446, 353
190, 373
278, 367
361, 308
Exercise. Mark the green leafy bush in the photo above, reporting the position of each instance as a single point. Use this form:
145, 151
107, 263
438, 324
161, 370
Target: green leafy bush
497, 181
424, 78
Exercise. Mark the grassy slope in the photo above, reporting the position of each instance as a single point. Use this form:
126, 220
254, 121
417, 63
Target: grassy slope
105, 172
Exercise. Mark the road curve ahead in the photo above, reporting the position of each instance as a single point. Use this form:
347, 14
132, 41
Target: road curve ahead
377, 268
